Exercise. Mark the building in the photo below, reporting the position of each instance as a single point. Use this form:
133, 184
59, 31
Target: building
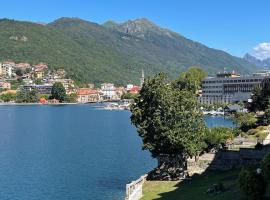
230, 109
22, 66
39, 73
41, 89
229, 88
87, 95
7, 68
5, 85
68, 84
109, 91
134, 89
39, 70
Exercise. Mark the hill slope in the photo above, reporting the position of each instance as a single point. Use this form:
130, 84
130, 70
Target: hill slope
110, 52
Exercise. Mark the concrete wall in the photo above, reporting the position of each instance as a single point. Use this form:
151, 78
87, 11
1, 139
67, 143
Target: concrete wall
134, 189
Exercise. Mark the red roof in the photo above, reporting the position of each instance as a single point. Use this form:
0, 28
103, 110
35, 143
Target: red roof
134, 90
86, 91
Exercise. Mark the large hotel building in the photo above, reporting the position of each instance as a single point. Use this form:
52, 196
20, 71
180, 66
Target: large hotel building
229, 87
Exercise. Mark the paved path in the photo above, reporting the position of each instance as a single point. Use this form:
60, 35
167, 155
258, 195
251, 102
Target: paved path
266, 141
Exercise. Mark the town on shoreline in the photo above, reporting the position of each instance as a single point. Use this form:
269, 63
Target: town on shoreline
23, 83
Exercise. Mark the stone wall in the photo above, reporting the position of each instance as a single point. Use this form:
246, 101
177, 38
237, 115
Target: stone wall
227, 159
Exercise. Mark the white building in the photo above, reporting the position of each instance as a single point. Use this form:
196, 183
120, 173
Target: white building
7, 68
229, 88
108, 91
129, 86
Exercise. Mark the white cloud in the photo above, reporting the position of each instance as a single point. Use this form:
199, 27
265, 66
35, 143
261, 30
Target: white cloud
261, 51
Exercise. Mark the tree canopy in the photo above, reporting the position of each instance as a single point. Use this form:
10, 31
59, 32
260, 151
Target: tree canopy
191, 79
58, 92
261, 97
168, 119
27, 96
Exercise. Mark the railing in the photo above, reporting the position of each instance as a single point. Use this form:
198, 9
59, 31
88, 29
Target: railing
134, 189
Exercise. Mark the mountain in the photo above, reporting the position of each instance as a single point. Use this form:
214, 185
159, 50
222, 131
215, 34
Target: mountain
257, 62
111, 52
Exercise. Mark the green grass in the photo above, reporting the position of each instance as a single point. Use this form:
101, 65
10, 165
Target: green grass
196, 188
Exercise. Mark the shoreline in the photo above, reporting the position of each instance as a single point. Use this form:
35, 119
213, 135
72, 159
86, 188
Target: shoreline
37, 104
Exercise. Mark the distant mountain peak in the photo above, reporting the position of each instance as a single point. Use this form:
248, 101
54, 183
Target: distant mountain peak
140, 28
257, 62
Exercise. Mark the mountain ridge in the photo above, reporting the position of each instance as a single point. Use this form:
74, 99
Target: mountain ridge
114, 52
265, 63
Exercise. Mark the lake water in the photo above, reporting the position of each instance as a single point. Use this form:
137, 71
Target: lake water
70, 152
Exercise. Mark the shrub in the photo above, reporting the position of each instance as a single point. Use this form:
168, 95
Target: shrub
252, 183
217, 137
245, 120
265, 165
252, 131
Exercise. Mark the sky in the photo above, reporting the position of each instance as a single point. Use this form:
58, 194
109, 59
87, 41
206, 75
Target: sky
235, 26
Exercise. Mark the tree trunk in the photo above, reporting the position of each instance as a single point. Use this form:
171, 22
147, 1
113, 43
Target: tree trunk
170, 167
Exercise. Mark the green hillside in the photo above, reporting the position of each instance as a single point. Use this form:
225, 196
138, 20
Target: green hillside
110, 52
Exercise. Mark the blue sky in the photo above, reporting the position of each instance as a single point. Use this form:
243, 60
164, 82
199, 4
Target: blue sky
236, 26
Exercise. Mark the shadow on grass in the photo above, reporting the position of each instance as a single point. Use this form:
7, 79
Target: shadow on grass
196, 188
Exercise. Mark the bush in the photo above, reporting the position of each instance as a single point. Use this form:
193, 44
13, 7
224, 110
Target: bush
252, 183
217, 137
252, 131
245, 120
265, 165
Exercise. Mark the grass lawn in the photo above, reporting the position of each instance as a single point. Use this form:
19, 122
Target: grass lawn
196, 188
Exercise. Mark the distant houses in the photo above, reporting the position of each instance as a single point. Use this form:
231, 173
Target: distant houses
39, 77
87, 95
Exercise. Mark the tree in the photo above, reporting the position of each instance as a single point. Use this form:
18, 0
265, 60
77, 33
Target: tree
27, 96
252, 183
217, 137
58, 92
72, 98
168, 119
261, 97
191, 79
19, 72
245, 120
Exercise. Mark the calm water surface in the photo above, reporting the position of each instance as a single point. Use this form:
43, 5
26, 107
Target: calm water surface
70, 152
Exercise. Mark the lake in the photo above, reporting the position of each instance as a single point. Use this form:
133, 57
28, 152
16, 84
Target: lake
70, 152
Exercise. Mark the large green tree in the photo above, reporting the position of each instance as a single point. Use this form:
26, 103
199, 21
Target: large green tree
171, 125
168, 119
58, 92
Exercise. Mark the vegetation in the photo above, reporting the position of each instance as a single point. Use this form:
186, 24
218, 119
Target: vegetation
245, 120
27, 97
88, 51
7, 97
58, 92
266, 167
261, 97
259, 132
252, 183
217, 137
191, 79
168, 119
71, 98
129, 96
196, 188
